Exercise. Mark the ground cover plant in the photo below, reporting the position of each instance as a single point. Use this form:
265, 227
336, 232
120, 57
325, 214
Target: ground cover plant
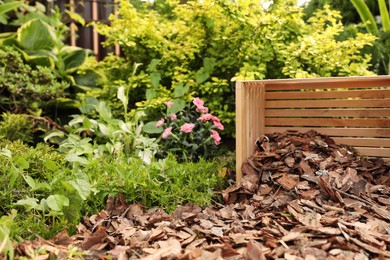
146, 127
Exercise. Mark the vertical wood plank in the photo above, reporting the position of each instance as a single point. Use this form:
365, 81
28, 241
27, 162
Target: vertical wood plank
250, 119
95, 35
116, 7
72, 26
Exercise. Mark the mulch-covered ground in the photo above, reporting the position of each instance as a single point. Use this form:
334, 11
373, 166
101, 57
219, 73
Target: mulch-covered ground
301, 197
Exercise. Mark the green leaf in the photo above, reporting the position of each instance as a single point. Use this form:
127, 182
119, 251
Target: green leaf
82, 187
366, 16
201, 76
6, 7
30, 181
57, 202
153, 64
151, 128
21, 162
150, 94
50, 165
53, 135
73, 57
181, 90
121, 95
76, 158
155, 78
6, 152
14, 174
29, 203
37, 35
76, 17
384, 15
178, 105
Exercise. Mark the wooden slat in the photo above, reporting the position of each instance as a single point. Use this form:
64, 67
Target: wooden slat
320, 83
377, 152
361, 132
364, 94
328, 103
249, 122
365, 142
372, 112
327, 122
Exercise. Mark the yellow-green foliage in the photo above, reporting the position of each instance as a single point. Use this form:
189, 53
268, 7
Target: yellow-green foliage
207, 45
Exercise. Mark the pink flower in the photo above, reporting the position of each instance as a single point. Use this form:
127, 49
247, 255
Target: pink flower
206, 117
169, 103
187, 128
200, 105
216, 137
198, 102
160, 122
218, 123
167, 132
173, 117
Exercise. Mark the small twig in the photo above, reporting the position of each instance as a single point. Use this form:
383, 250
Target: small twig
49, 122
352, 196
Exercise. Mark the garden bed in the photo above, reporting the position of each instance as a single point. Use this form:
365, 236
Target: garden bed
301, 197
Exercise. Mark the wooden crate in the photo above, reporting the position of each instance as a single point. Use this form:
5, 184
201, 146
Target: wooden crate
351, 110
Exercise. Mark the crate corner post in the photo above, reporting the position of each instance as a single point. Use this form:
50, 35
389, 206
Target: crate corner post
250, 98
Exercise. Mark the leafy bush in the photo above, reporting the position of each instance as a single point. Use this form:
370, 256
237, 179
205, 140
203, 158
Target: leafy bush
16, 127
23, 88
52, 190
206, 45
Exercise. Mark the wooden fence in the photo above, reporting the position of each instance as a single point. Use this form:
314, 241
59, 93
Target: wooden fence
351, 110
91, 11
84, 36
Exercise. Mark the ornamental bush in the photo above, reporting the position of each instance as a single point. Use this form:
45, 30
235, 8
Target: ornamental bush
207, 45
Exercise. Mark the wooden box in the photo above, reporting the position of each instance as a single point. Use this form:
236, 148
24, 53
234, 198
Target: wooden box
352, 110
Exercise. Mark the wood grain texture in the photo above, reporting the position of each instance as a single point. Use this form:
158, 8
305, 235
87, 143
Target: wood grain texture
352, 110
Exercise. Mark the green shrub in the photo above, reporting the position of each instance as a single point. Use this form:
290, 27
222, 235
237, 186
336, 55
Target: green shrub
23, 88
16, 127
208, 45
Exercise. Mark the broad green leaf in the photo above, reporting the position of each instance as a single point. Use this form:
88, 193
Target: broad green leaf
44, 61
53, 135
181, 90
201, 75
50, 165
6, 7
57, 202
104, 129
72, 57
121, 95
178, 105
6, 152
30, 181
82, 187
29, 203
153, 64
21, 162
76, 158
155, 78
37, 35
150, 94
151, 128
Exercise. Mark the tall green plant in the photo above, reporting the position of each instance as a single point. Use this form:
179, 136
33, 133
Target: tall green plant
371, 26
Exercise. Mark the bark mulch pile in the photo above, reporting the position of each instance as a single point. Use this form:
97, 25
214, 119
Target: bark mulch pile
301, 197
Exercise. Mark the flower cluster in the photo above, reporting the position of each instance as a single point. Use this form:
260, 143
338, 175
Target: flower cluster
191, 133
